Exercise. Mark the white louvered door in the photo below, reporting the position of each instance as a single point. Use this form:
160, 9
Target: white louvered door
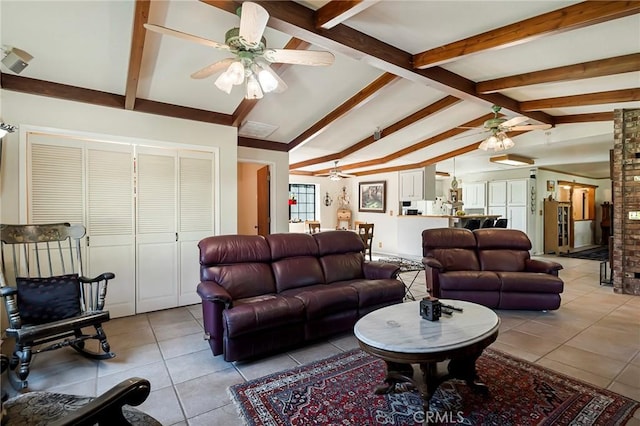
89, 183
143, 225
195, 218
156, 220
110, 222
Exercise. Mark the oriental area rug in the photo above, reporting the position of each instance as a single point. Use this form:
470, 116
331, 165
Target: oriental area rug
339, 391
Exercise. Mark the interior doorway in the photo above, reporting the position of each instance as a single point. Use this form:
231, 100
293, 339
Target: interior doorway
254, 195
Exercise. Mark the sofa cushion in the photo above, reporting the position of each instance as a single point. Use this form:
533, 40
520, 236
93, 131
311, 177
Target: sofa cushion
376, 292
469, 280
291, 245
323, 300
242, 279
337, 242
342, 267
530, 282
251, 315
239, 263
503, 260
297, 272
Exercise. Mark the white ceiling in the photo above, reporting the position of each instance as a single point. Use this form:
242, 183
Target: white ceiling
88, 43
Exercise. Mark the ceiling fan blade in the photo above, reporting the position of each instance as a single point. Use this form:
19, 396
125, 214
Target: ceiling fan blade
189, 37
299, 57
253, 21
282, 86
213, 68
514, 121
530, 127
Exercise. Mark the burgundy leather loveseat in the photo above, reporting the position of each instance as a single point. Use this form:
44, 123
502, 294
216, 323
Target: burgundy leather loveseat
264, 294
491, 267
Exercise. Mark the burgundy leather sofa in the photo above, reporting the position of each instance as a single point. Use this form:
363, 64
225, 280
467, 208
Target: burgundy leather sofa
489, 266
263, 294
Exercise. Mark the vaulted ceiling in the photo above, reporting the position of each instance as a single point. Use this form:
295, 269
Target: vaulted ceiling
409, 78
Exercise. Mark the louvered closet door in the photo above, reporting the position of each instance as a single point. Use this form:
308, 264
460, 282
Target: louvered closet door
55, 183
196, 218
156, 213
80, 181
110, 222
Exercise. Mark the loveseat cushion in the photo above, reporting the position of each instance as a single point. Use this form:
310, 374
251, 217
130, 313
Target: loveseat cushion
253, 314
502, 249
455, 248
470, 280
241, 264
323, 300
530, 282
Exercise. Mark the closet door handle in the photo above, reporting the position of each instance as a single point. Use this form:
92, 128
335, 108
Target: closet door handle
176, 236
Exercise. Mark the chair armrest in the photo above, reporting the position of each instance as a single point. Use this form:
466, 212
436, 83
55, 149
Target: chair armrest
546, 266
213, 292
106, 276
8, 291
107, 408
379, 270
432, 262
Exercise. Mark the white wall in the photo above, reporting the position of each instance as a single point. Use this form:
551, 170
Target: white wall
38, 112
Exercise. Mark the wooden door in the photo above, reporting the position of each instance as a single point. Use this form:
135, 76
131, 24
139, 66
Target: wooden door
264, 196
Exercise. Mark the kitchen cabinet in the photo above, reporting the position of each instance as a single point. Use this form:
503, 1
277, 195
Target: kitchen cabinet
474, 195
419, 184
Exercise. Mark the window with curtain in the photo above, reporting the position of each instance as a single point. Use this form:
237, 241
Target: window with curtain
304, 206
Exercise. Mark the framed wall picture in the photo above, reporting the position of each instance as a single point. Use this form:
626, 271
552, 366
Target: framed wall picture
551, 185
372, 197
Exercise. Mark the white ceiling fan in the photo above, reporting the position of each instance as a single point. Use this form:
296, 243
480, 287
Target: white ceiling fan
498, 127
251, 60
336, 174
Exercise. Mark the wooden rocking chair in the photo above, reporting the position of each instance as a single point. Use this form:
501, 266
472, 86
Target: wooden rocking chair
47, 298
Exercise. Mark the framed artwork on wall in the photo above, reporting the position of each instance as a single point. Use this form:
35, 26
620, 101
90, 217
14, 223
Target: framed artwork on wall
372, 197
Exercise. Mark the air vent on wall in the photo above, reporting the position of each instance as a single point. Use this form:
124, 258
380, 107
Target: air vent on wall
253, 129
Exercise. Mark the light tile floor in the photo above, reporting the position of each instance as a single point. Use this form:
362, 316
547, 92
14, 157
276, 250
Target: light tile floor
594, 337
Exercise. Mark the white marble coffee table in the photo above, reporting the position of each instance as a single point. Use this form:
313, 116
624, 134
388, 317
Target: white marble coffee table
401, 337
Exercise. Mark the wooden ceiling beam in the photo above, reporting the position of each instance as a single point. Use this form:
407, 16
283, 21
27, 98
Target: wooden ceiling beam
585, 118
353, 103
568, 18
478, 122
598, 68
245, 107
437, 106
299, 21
336, 12
610, 97
140, 17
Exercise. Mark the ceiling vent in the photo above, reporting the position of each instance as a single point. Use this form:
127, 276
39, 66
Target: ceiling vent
253, 129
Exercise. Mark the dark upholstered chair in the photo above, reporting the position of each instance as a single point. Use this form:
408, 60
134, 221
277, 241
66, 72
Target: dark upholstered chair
488, 223
49, 302
365, 230
472, 224
501, 223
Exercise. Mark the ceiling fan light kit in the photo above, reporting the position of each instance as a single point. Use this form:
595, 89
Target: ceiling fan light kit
496, 142
512, 160
251, 64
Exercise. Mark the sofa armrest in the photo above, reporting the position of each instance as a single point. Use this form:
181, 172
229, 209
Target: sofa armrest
379, 270
432, 262
213, 292
546, 266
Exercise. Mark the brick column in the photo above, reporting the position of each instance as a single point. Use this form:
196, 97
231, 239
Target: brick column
626, 202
